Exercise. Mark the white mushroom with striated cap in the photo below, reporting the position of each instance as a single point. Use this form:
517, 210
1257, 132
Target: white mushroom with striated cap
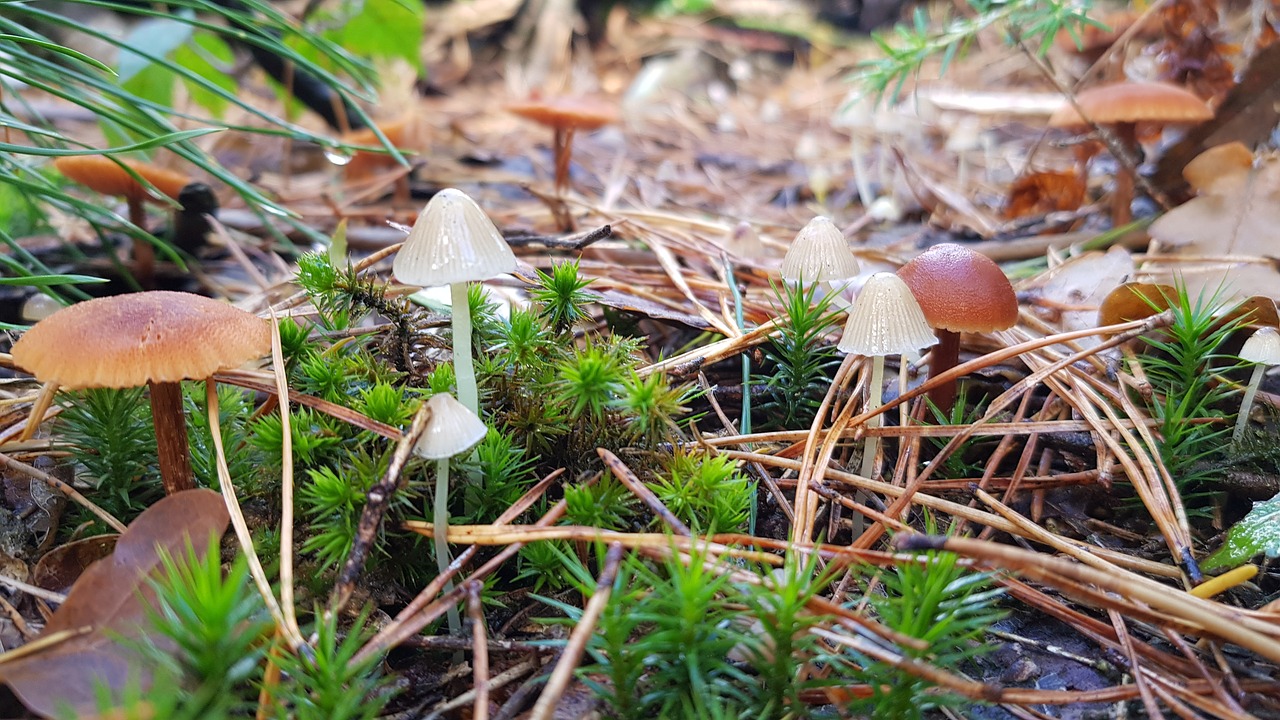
453, 243
452, 429
885, 320
1263, 350
820, 256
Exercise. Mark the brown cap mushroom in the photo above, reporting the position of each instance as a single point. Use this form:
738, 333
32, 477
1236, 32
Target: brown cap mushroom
566, 116
960, 291
102, 174
155, 338
1122, 106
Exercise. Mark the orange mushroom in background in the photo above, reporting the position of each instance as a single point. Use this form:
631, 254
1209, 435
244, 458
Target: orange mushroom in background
1121, 107
565, 116
405, 135
105, 175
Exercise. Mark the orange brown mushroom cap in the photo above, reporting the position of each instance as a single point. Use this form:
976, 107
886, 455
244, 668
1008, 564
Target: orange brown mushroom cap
101, 174
578, 113
1133, 102
156, 338
1122, 106
140, 338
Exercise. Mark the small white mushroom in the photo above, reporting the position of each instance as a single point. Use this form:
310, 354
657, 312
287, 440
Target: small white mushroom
1263, 349
884, 320
451, 430
819, 254
453, 243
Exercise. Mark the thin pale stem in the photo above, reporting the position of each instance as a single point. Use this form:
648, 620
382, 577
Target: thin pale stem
440, 527
1246, 403
463, 369
873, 403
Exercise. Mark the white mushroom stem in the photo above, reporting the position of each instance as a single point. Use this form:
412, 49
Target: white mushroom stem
874, 398
1246, 404
463, 368
440, 532
861, 174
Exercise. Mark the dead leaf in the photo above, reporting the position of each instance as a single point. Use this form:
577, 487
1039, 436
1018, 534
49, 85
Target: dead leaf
1040, 193
110, 600
1135, 301
1072, 292
59, 568
1236, 214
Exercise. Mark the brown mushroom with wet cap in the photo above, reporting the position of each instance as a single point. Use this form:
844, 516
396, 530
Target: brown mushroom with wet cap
104, 175
1120, 107
156, 339
960, 291
565, 116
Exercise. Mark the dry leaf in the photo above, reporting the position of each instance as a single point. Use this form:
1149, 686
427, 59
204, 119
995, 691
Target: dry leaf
110, 601
1237, 214
1039, 193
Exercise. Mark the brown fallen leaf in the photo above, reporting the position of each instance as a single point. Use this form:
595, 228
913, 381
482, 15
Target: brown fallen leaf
107, 607
1236, 214
59, 568
1039, 193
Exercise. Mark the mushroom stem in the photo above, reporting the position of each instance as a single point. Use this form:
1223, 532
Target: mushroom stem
440, 532
873, 402
1122, 197
144, 256
1246, 403
563, 151
944, 356
170, 423
463, 368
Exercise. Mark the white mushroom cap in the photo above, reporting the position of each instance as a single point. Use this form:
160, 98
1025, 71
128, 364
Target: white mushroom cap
452, 241
885, 320
451, 430
1262, 347
819, 254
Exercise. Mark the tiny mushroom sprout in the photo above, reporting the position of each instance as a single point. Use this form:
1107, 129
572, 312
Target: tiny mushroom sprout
104, 175
885, 320
960, 291
451, 430
1120, 107
156, 339
1263, 350
453, 243
819, 254
565, 116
